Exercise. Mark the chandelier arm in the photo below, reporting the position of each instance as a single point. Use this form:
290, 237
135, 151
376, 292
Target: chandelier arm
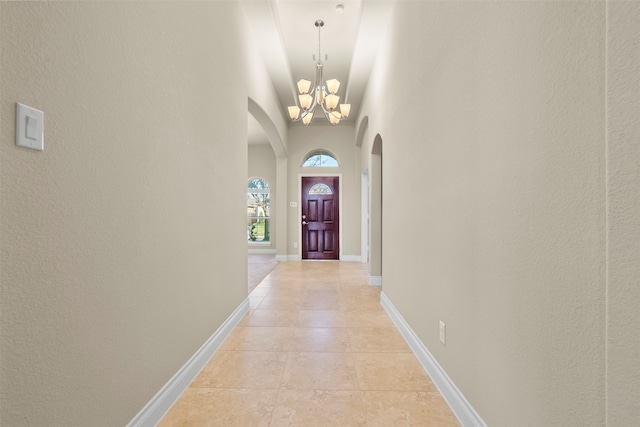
309, 110
327, 115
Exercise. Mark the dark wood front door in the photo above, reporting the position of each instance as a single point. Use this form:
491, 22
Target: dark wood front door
320, 218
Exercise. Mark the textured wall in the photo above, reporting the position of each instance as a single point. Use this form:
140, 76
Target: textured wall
123, 243
623, 201
493, 127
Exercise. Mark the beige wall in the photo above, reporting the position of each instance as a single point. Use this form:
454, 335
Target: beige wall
262, 164
264, 107
339, 140
623, 215
118, 258
124, 242
494, 199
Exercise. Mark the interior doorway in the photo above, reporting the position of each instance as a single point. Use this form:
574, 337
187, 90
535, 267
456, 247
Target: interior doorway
320, 219
364, 218
375, 212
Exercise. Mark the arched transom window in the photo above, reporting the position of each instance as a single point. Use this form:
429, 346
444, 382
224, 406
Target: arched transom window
320, 189
258, 210
320, 159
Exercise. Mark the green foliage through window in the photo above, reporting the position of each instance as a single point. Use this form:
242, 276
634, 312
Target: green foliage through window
258, 204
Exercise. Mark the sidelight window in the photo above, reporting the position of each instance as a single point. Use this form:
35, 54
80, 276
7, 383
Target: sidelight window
258, 217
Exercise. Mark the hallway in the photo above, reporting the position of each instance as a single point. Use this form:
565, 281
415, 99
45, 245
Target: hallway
316, 349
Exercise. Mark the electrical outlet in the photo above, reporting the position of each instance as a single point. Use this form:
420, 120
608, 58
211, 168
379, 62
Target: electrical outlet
443, 333
295, 245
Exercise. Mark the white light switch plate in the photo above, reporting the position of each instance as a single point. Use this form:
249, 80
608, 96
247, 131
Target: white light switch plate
29, 127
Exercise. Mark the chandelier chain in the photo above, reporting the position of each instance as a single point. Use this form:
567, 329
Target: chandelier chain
319, 24
319, 57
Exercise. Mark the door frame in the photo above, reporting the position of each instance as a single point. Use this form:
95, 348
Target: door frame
299, 215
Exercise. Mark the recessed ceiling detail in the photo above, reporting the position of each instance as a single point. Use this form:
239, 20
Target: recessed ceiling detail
286, 37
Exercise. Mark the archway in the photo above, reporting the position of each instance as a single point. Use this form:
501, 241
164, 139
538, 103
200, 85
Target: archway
279, 204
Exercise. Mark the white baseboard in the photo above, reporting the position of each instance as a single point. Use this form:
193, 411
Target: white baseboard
350, 258
160, 404
462, 409
375, 280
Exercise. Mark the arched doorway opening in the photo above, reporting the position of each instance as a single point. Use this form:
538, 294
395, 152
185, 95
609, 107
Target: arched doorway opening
375, 212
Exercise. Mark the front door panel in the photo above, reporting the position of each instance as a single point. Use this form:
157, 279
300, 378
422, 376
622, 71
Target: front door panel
320, 218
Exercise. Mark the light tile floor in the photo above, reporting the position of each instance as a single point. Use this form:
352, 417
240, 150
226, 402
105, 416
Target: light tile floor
315, 349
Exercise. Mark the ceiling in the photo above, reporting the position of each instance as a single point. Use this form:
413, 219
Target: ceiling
286, 35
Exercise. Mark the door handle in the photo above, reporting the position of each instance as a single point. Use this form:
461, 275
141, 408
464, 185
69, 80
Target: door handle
304, 223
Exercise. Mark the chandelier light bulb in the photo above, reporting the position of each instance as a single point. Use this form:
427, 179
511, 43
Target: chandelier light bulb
294, 111
303, 86
305, 101
307, 118
331, 102
345, 109
333, 85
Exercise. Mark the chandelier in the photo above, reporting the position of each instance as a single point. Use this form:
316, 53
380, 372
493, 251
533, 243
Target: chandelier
321, 94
